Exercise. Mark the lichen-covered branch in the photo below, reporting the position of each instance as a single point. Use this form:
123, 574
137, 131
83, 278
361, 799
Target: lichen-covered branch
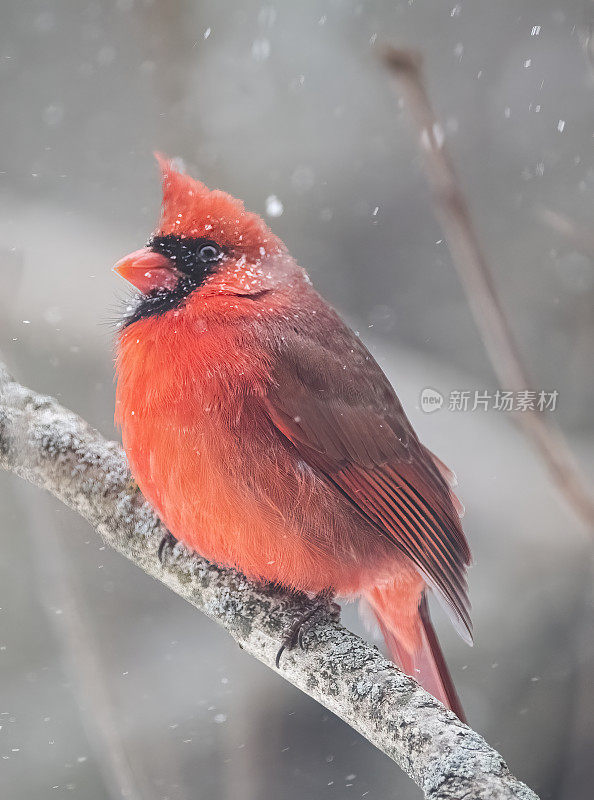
56, 450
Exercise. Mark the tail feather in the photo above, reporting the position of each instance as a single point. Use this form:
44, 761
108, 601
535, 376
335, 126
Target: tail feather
426, 662
432, 663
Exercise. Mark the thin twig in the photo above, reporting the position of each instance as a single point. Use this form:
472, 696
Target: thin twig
469, 258
580, 238
585, 33
56, 450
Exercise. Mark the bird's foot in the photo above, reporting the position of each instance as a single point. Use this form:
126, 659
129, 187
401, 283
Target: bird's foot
303, 623
168, 540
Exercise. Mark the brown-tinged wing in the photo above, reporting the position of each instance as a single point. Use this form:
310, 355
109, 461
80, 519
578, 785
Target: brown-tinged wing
336, 406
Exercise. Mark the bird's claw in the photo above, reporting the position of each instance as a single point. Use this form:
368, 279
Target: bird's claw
296, 633
293, 637
300, 638
168, 540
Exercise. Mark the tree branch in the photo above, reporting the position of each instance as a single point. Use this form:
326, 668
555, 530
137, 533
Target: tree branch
580, 238
54, 449
475, 275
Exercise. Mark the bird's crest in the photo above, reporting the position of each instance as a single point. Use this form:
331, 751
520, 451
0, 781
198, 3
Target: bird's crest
192, 210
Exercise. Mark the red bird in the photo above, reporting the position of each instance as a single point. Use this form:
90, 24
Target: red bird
266, 436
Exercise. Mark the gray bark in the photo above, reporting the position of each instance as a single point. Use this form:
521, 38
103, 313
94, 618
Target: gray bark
56, 450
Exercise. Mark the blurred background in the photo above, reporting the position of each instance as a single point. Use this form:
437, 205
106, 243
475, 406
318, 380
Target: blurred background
110, 685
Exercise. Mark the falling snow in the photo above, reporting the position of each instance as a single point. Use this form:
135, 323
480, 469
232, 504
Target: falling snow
261, 49
274, 207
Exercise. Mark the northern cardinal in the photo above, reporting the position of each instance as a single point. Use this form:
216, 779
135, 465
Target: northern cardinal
266, 437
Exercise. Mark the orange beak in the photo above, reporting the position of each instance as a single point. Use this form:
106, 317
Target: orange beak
147, 270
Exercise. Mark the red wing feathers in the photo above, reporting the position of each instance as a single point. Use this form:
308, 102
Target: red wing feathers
346, 421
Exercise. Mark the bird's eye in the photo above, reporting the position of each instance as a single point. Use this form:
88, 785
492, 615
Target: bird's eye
209, 253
